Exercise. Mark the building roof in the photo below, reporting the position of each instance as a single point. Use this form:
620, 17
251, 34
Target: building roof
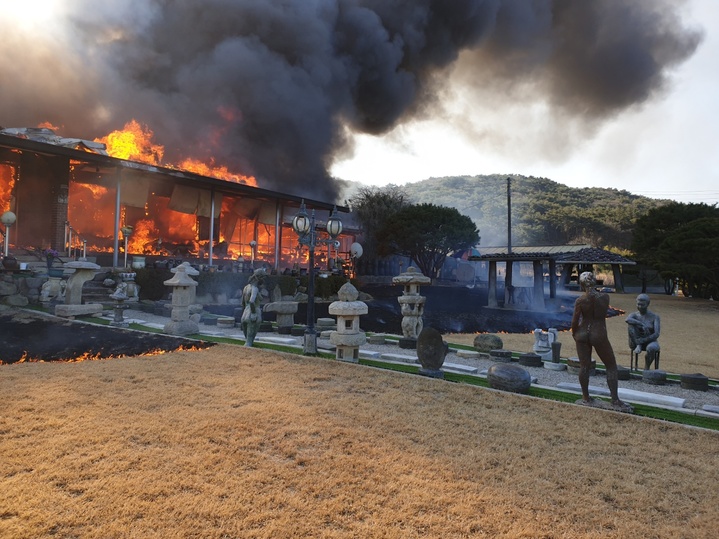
92, 161
563, 254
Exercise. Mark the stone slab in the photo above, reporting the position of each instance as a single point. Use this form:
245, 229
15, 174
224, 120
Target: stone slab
629, 394
711, 408
69, 311
278, 340
458, 367
468, 354
551, 366
400, 357
370, 354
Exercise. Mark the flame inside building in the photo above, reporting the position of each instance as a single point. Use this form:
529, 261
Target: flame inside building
113, 194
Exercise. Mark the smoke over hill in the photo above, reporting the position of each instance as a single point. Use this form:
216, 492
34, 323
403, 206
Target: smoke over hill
274, 88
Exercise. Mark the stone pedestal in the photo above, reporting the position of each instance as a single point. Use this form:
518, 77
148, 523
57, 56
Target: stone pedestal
183, 294
502, 356
573, 366
348, 337
655, 378
284, 314
697, 382
84, 271
530, 360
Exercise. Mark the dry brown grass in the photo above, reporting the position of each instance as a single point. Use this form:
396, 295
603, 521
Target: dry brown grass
236, 442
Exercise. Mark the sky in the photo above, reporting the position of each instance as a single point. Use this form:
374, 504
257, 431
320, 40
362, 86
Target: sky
667, 148
602, 93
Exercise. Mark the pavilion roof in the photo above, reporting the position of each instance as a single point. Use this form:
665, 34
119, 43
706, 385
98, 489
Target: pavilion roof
563, 254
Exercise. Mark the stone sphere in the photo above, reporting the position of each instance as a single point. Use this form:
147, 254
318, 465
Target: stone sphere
509, 377
486, 342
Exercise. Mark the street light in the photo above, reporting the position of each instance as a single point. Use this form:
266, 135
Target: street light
8, 219
304, 226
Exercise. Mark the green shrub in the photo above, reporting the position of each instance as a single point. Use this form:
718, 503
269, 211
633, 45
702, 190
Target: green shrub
220, 282
151, 282
325, 286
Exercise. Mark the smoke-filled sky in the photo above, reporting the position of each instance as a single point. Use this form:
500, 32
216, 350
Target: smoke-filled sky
605, 93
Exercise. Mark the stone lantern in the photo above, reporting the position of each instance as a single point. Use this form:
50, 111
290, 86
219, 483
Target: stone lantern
183, 294
411, 304
348, 337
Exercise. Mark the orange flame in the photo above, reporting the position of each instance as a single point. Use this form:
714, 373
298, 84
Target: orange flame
7, 183
214, 171
88, 356
134, 142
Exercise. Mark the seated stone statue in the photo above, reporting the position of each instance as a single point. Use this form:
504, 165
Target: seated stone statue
644, 327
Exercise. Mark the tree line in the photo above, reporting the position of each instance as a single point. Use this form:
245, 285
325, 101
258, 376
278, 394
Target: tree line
428, 220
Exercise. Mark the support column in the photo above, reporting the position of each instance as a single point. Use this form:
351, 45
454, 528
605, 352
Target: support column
116, 233
618, 282
492, 284
538, 292
508, 287
278, 235
552, 278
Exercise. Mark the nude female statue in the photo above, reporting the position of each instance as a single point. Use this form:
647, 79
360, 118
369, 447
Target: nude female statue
589, 330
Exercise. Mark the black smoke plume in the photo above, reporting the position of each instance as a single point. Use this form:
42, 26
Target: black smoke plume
274, 88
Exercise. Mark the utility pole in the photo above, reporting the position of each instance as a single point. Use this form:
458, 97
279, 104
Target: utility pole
509, 215
508, 288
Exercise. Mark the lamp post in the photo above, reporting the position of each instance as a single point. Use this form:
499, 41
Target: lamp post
8, 219
304, 226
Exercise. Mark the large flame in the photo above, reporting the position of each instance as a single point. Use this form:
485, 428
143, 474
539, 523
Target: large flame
133, 142
7, 183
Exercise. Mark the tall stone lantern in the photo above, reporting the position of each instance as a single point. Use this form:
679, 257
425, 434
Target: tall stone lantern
411, 304
348, 337
183, 293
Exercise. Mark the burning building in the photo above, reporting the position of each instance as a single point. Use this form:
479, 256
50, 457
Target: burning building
71, 195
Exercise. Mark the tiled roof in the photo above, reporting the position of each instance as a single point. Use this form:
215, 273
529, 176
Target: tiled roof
592, 255
563, 254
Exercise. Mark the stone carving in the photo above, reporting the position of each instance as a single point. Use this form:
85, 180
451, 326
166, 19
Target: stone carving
84, 271
643, 327
509, 377
431, 351
411, 304
120, 296
284, 309
251, 311
486, 342
53, 289
543, 341
589, 330
348, 337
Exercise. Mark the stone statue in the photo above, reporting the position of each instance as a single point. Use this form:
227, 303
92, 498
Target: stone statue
252, 313
644, 328
589, 330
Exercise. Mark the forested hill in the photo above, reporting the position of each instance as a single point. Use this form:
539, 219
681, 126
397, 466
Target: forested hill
544, 212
